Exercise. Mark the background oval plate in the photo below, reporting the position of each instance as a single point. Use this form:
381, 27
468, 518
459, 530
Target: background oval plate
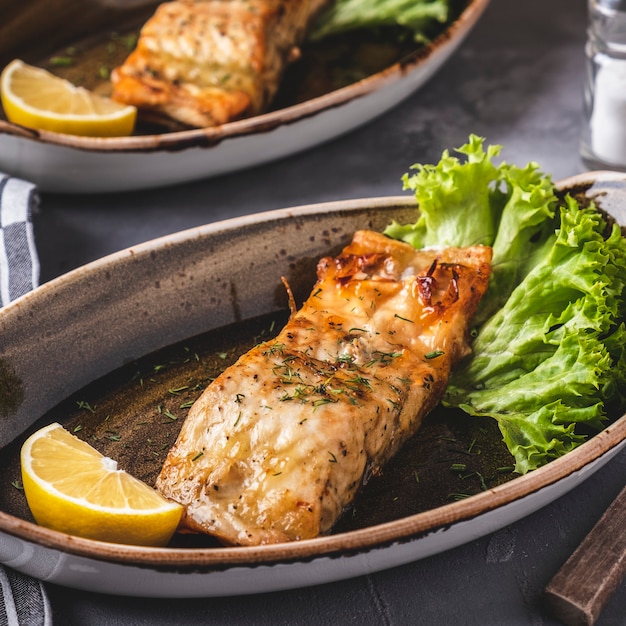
63, 163
103, 315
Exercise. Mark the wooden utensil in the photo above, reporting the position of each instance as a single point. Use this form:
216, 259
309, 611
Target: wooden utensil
582, 587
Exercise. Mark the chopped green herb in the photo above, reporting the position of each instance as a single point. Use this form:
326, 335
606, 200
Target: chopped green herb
61, 61
169, 414
359, 380
458, 496
394, 403
274, 348
404, 319
322, 401
434, 354
345, 358
483, 484
176, 391
130, 41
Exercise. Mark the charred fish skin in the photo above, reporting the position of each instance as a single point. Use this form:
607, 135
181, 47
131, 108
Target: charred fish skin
280, 443
205, 63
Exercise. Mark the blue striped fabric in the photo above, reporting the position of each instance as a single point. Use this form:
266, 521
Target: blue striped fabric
19, 263
23, 600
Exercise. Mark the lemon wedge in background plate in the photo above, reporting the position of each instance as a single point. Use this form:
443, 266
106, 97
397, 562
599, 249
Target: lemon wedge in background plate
35, 98
72, 488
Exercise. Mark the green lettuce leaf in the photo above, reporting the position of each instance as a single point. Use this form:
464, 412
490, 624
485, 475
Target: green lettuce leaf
549, 355
509, 208
415, 15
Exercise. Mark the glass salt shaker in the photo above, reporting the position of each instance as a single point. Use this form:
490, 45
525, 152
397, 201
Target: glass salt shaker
603, 143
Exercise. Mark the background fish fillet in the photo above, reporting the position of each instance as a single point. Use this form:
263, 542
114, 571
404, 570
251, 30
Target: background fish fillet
208, 62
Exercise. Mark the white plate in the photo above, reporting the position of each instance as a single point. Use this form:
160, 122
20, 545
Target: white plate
99, 317
63, 163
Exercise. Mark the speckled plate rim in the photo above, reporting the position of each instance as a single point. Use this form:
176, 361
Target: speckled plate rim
206, 137
574, 466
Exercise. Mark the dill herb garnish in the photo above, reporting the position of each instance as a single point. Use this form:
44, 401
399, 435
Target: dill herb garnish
169, 414
434, 354
177, 390
404, 319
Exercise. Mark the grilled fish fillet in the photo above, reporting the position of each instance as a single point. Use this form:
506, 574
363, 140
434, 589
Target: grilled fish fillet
205, 63
279, 444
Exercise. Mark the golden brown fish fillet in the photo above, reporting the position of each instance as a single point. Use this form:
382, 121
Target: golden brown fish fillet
209, 62
279, 444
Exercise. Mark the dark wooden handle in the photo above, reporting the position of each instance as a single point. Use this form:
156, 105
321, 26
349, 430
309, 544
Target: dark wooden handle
582, 587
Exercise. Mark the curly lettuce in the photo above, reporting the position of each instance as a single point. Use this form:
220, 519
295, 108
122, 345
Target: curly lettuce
415, 15
549, 353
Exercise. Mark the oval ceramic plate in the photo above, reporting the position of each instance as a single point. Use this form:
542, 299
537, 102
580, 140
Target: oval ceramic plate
97, 318
63, 163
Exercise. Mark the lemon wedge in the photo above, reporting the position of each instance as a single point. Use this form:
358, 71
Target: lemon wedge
72, 488
35, 98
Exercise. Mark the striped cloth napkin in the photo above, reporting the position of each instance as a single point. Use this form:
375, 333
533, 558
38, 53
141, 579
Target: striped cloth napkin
23, 600
19, 264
